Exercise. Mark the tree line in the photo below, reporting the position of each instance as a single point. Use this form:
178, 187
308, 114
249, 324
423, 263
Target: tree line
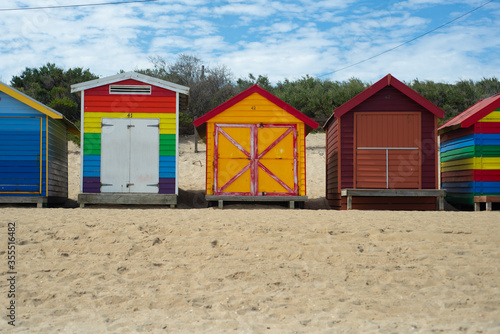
210, 86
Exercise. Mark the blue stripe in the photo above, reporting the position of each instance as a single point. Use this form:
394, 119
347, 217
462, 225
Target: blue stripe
91, 174
484, 187
17, 188
34, 174
91, 166
469, 140
88, 157
18, 169
17, 158
457, 143
166, 174
19, 163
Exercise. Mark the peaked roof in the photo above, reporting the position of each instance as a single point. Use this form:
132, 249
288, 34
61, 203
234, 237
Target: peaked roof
472, 114
310, 124
130, 75
388, 80
14, 93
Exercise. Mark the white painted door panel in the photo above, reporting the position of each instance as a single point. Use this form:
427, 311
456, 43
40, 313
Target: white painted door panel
130, 155
144, 156
115, 155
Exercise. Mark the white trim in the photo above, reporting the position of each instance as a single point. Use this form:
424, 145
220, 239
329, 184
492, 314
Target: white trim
177, 143
82, 134
129, 89
130, 75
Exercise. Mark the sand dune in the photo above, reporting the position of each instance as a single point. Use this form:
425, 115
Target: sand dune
250, 268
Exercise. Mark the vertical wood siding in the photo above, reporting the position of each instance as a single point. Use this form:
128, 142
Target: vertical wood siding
98, 104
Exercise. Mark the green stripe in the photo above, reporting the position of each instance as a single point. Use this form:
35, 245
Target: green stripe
92, 143
459, 153
488, 151
456, 198
167, 145
471, 152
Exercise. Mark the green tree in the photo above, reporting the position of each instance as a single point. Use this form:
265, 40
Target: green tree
51, 85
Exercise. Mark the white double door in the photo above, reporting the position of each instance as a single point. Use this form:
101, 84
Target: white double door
130, 155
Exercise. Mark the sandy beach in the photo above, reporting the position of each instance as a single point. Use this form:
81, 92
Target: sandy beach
249, 268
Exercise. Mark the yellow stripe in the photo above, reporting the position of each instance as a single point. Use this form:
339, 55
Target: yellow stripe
493, 116
93, 120
33, 104
487, 163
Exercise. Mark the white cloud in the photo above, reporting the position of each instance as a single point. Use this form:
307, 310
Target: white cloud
281, 39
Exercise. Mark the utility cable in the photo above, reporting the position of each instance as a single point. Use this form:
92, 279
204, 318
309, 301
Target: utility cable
72, 6
407, 42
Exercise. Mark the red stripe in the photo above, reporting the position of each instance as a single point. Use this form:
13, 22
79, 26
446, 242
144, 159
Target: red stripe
270, 147
228, 137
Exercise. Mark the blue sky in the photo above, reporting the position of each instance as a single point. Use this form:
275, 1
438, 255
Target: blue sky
281, 39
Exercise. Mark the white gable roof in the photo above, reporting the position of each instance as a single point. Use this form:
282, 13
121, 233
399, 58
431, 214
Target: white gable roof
130, 75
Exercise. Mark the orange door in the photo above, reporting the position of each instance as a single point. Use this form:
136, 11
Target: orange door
387, 150
255, 160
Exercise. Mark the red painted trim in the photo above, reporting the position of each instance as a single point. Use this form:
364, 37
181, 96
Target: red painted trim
270, 147
275, 178
378, 86
474, 113
246, 93
254, 178
221, 190
254, 157
234, 142
216, 158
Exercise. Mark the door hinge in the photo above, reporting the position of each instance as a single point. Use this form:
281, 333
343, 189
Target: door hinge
106, 184
153, 185
130, 126
104, 124
154, 125
129, 184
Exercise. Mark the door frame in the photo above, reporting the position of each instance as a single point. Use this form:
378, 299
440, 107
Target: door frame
127, 143
40, 158
387, 148
254, 159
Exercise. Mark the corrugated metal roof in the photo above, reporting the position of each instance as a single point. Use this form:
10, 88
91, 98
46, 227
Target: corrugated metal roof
473, 114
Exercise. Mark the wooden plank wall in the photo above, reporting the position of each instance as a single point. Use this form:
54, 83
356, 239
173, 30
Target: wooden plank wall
256, 109
58, 159
98, 104
21, 128
332, 164
470, 160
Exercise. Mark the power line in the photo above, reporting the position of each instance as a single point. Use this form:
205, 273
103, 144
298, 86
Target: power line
72, 6
407, 42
